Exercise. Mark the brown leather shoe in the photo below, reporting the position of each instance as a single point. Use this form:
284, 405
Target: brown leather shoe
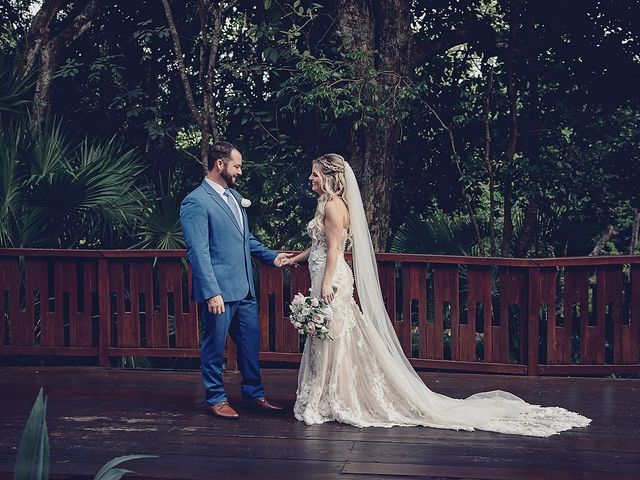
263, 404
223, 410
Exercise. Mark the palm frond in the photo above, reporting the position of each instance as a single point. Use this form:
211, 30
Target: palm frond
15, 90
82, 195
49, 149
161, 227
10, 180
437, 234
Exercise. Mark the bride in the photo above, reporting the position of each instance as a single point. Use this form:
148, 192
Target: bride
362, 377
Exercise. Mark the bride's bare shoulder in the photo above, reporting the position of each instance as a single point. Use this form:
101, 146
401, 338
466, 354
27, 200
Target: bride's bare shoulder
337, 211
337, 205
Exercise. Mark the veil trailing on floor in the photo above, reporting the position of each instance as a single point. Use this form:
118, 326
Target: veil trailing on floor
497, 411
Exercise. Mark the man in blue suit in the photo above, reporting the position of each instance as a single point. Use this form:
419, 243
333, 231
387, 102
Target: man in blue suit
219, 247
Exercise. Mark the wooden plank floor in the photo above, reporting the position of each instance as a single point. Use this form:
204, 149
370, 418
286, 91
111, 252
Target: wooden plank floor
96, 414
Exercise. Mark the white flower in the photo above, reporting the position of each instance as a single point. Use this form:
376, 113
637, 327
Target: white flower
297, 325
298, 299
314, 302
245, 202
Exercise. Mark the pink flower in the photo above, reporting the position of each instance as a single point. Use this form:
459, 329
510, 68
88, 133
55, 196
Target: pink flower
319, 319
297, 325
311, 328
298, 299
314, 302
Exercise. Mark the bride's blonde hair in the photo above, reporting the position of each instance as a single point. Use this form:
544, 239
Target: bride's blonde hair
330, 168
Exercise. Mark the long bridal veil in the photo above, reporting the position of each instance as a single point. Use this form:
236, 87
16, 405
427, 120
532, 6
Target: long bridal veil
496, 411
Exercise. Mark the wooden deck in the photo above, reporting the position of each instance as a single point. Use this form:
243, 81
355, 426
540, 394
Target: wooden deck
95, 414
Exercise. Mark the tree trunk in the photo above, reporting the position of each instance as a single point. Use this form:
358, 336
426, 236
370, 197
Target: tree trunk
528, 228
38, 34
487, 158
532, 147
607, 235
49, 62
381, 32
45, 49
634, 232
211, 18
507, 231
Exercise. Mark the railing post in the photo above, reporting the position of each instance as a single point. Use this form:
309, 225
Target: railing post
533, 322
104, 320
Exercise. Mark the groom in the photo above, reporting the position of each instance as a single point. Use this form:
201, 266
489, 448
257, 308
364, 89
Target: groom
219, 247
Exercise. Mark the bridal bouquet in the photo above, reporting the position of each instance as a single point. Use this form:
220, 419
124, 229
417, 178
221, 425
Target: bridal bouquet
311, 316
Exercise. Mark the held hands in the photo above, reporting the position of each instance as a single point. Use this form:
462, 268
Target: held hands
283, 259
215, 304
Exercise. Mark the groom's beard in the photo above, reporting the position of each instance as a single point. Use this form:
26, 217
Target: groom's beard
231, 181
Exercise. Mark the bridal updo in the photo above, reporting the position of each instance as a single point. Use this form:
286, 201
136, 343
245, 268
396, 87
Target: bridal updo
330, 168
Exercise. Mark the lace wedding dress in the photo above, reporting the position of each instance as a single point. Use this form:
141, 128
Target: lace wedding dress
362, 378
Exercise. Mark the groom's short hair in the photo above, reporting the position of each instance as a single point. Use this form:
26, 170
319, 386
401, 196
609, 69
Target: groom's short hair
220, 150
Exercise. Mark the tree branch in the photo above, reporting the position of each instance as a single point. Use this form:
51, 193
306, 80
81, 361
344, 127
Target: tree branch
38, 33
607, 235
211, 67
80, 24
202, 15
456, 159
180, 60
424, 50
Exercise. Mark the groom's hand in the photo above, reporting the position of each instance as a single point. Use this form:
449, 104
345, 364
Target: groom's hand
281, 259
215, 304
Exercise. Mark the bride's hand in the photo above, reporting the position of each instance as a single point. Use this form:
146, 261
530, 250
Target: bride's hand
289, 262
327, 293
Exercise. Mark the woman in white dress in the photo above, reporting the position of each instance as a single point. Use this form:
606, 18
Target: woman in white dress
362, 376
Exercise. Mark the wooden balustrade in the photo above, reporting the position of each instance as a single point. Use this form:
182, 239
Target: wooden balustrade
518, 316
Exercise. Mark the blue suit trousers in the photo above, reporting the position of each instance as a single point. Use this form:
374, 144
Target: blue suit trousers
240, 320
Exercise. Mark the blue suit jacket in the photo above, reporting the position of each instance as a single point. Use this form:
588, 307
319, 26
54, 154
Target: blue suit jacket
220, 254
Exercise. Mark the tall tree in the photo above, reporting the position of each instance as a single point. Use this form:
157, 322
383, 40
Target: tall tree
381, 32
211, 15
46, 41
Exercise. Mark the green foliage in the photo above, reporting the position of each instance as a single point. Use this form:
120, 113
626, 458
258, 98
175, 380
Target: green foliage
109, 472
438, 234
33, 453
287, 89
15, 91
58, 194
160, 227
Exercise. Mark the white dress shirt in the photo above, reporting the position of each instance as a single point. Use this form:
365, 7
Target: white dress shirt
230, 200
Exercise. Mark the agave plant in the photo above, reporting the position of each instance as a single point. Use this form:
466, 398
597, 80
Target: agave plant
33, 453
57, 194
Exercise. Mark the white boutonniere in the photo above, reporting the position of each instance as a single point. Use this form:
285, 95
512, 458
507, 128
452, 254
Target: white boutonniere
245, 202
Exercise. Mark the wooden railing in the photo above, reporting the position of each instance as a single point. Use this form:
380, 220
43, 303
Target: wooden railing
517, 316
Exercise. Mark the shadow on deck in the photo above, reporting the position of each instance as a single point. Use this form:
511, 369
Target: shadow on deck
96, 414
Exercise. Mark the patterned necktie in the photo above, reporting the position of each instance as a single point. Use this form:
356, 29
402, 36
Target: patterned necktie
233, 205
